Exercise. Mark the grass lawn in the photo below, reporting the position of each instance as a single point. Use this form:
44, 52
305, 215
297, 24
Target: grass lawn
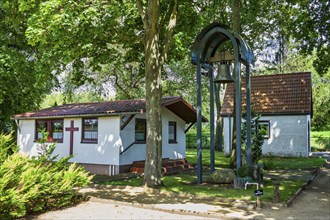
186, 182
292, 163
320, 140
220, 159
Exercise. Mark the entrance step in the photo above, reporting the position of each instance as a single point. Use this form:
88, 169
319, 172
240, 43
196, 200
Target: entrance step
169, 166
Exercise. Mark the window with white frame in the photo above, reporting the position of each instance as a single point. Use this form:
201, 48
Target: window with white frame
89, 130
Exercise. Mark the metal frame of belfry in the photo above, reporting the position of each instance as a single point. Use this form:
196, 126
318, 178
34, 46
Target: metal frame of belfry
204, 49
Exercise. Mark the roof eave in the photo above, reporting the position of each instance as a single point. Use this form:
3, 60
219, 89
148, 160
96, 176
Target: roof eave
271, 113
79, 115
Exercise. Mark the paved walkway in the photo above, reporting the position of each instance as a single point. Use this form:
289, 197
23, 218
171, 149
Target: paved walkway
312, 203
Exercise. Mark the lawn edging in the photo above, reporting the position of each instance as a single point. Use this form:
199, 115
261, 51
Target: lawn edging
289, 202
303, 187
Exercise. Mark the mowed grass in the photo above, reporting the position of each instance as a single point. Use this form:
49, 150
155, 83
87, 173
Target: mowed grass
186, 183
320, 134
292, 163
320, 140
220, 160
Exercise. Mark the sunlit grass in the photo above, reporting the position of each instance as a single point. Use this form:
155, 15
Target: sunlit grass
320, 140
186, 183
219, 159
293, 163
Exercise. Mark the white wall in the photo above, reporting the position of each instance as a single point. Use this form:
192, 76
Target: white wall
288, 135
137, 151
105, 151
173, 150
170, 150
111, 141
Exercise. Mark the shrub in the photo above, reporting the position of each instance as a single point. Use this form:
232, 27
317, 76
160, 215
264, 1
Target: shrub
257, 138
243, 171
33, 184
269, 163
7, 146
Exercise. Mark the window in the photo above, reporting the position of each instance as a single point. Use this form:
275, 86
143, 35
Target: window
53, 127
89, 131
263, 128
172, 132
140, 130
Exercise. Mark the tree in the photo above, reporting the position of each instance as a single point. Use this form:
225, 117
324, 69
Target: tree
321, 102
22, 81
156, 52
236, 23
103, 29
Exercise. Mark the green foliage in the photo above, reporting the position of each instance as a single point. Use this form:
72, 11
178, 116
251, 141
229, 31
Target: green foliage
321, 102
45, 150
33, 184
257, 138
320, 141
22, 80
269, 163
7, 146
243, 171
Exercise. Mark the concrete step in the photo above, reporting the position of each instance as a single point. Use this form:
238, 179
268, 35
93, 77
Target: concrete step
169, 166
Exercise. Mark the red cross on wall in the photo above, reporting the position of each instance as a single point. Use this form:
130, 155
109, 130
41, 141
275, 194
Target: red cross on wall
71, 129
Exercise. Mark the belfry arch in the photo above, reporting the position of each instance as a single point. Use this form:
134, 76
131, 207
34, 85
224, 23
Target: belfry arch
204, 55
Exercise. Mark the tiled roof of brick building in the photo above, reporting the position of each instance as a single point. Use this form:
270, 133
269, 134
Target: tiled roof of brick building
175, 104
289, 93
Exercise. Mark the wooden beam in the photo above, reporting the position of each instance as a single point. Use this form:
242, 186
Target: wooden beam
218, 57
187, 129
127, 121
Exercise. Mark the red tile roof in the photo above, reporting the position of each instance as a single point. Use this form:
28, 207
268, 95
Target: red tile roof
289, 93
176, 104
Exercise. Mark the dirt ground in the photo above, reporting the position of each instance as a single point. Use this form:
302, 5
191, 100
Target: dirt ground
312, 203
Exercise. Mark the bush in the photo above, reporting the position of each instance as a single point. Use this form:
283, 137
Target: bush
7, 146
243, 171
34, 184
257, 138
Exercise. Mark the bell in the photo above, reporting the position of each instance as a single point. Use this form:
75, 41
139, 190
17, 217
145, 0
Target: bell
223, 75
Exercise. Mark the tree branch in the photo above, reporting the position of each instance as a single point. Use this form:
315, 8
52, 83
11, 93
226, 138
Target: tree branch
142, 13
169, 33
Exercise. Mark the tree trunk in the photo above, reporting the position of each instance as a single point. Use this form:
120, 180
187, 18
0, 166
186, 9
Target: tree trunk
237, 29
153, 163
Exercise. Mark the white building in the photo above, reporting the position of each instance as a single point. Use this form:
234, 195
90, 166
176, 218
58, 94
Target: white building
105, 137
284, 102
